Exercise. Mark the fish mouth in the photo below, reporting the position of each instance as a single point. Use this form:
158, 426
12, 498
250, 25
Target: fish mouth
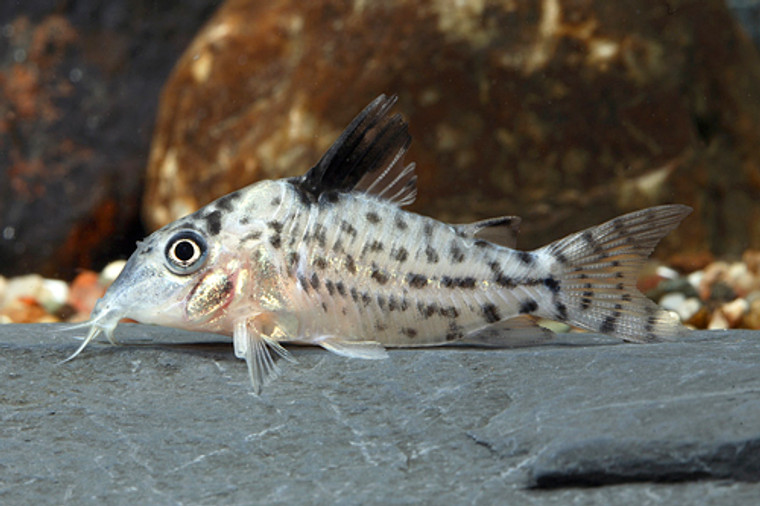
101, 322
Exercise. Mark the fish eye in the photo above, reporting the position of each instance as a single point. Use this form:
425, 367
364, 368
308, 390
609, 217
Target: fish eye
185, 252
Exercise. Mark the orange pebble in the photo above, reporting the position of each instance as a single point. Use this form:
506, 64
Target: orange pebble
85, 290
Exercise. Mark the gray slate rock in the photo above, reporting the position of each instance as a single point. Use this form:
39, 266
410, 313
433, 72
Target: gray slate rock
169, 419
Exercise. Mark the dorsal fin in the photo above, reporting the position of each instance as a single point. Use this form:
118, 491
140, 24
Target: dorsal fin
367, 157
502, 230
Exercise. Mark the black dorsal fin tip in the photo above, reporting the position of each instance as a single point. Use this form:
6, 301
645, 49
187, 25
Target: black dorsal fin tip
367, 157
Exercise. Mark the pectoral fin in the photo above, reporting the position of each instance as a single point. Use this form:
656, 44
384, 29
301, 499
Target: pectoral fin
370, 350
255, 348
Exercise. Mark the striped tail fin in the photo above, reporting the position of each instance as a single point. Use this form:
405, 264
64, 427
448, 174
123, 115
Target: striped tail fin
597, 269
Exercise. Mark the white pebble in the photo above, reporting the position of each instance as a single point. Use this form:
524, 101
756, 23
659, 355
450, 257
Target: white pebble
53, 294
684, 307
717, 322
672, 301
667, 272
111, 272
734, 310
695, 279
22, 286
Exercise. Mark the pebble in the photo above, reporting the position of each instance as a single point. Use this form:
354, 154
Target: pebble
111, 271
734, 311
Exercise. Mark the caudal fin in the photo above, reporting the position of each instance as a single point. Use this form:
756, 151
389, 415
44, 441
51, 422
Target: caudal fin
597, 270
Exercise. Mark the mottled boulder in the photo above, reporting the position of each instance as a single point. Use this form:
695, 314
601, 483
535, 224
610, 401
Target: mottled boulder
79, 85
563, 112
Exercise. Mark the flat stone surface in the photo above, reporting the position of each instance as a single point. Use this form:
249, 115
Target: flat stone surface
169, 419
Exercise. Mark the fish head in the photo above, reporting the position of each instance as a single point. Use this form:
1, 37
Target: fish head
179, 276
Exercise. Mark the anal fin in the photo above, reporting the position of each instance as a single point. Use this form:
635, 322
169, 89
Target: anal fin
518, 332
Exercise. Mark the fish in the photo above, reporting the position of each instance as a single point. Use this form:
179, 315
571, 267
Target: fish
330, 258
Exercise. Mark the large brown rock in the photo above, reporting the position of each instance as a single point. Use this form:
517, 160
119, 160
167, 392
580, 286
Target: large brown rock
566, 112
79, 86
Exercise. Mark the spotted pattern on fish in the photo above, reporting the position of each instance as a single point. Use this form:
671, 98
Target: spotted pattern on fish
331, 258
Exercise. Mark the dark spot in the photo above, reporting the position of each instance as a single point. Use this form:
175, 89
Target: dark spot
314, 281
454, 332
528, 306
457, 256
348, 228
394, 304
427, 229
329, 198
381, 302
480, 243
379, 275
245, 220
620, 286
373, 217
431, 254
373, 246
225, 203
447, 281
256, 234
276, 201
320, 235
293, 258
366, 299
589, 238
330, 287
350, 264
490, 313
354, 294
608, 325
651, 322
304, 196
499, 277
427, 310
380, 326
304, 284
561, 310
586, 300
615, 263
319, 262
560, 257
324, 307
552, 284
409, 332
400, 223
341, 288
449, 312
526, 257
213, 222
276, 226
467, 282
626, 297
338, 246
400, 254
416, 280
276, 240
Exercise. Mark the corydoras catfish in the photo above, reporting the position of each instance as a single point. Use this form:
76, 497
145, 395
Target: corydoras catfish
331, 259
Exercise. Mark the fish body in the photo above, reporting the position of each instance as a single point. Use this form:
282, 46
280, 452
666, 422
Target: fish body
331, 258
